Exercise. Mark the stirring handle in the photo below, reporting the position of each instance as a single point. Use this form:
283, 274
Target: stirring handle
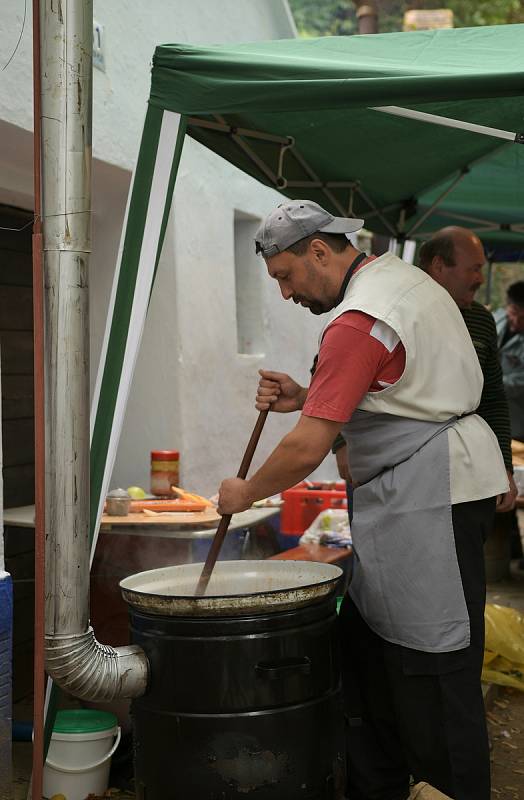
220, 535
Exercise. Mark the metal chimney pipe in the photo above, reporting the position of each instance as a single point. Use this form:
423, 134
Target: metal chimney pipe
74, 659
367, 16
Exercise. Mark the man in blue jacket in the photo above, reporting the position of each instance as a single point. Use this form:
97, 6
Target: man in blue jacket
510, 331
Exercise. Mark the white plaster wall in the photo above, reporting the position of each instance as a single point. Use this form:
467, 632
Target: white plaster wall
217, 385
191, 390
132, 31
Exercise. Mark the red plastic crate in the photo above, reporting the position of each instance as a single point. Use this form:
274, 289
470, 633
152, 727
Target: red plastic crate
304, 502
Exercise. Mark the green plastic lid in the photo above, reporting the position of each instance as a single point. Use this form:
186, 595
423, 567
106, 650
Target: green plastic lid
84, 720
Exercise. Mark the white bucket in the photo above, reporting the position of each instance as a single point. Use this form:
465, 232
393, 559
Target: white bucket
78, 764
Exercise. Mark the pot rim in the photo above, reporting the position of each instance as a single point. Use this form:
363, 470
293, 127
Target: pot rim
336, 574
271, 600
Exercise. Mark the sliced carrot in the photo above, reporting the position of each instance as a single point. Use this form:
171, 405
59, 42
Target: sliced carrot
165, 505
196, 498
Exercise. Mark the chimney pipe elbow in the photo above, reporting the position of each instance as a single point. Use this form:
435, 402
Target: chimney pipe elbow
82, 666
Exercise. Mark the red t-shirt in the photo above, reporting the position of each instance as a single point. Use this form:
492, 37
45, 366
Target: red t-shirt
358, 354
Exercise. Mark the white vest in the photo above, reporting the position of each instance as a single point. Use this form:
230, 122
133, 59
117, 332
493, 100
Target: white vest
442, 377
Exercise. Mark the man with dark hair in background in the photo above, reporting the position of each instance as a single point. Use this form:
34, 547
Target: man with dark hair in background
510, 331
454, 257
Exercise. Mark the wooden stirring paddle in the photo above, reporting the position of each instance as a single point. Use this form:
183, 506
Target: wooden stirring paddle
223, 525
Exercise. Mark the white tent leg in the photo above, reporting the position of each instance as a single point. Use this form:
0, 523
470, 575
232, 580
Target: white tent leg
489, 282
408, 253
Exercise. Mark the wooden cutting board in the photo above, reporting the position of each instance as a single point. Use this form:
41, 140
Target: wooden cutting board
196, 519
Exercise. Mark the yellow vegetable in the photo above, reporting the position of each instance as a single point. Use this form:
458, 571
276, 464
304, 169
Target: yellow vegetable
136, 492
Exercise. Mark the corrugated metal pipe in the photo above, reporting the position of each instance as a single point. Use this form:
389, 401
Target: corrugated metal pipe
94, 671
74, 659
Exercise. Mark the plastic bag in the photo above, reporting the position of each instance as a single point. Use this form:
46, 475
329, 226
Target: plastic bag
331, 527
504, 647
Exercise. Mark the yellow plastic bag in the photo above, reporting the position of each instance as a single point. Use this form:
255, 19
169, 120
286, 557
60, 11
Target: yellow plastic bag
504, 648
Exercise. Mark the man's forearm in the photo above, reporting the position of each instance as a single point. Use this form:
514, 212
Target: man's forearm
289, 463
297, 455
302, 397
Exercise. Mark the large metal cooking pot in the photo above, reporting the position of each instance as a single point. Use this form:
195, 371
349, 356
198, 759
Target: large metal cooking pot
244, 692
236, 588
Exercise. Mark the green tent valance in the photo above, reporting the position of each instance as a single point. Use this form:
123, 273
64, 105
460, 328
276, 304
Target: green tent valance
301, 115
308, 75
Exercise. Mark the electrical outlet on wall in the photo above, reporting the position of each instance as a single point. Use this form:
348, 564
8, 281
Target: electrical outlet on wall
99, 59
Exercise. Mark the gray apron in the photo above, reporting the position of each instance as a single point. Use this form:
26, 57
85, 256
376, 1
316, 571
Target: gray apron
406, 580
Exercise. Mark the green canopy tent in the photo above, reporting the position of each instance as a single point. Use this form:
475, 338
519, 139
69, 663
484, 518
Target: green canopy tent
489, 199
382, 127
302, 115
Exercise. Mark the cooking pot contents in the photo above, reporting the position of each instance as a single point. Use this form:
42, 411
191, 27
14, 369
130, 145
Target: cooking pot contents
223, 525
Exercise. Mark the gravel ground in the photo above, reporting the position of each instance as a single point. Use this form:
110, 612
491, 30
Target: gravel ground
506, 732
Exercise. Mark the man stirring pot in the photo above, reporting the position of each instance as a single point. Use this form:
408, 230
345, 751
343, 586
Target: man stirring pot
397, 373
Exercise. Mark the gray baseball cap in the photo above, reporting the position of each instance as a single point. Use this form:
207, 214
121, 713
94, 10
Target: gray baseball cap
296, 219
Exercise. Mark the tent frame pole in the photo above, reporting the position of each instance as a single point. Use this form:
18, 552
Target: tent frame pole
479, 220
437, 202
483, 224
377, 211
449, 122
263, 167
257, 161
489, 282
288, 143
279, 182
222, 127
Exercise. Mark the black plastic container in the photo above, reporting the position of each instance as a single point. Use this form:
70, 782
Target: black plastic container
240, 707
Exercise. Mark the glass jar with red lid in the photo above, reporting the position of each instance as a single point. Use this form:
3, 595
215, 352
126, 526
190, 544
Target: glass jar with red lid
165, 472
